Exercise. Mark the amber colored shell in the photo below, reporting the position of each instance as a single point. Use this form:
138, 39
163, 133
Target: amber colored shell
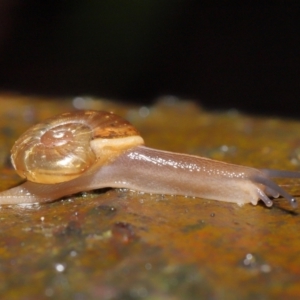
59, 149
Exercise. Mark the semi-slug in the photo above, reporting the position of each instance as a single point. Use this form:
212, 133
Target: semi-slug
86, 150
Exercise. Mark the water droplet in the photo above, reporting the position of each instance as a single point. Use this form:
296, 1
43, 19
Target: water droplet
265, 268
224, 148
144, 111
249, 260
79, 102
73, 253
59, 267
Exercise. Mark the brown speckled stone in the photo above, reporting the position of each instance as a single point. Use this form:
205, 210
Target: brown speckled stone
119, 244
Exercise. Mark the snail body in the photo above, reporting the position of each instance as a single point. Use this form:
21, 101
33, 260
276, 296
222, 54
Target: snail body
104, 150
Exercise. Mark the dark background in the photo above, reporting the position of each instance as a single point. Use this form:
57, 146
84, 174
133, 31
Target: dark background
224, 56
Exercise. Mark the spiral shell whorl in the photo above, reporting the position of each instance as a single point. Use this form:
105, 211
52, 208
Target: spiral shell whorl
59, 149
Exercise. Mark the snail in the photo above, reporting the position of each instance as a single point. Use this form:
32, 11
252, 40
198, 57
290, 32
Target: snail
85, 150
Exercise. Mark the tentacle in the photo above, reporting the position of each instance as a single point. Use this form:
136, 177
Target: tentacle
270, 185
264, 198
271, 192
280, 174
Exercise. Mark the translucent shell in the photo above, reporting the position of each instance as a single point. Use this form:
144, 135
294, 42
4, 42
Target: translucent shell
62, 148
